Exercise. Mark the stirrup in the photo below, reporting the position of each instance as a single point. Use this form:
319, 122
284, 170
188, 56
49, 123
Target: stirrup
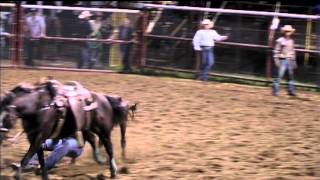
79, 137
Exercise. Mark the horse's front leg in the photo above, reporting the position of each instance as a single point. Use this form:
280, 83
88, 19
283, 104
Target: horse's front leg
106, 140
34, 147
123, 128
44, 172
91, 138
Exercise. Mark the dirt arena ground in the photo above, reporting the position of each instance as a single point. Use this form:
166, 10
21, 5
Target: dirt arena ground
186, 129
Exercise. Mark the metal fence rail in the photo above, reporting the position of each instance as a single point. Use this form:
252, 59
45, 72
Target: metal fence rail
248, 51
163, 40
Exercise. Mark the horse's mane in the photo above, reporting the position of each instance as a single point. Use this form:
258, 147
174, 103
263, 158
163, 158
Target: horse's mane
51, 86
9, 96
23, 87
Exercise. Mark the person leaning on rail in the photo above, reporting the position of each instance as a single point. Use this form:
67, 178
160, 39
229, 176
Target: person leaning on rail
35, 28
285, 60
204, 41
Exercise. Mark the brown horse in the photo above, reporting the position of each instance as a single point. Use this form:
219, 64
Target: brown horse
40, 117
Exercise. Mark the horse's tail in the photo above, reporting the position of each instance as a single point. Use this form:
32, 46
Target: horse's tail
132, 110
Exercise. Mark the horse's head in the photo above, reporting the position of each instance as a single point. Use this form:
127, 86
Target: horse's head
8, 113
23, 100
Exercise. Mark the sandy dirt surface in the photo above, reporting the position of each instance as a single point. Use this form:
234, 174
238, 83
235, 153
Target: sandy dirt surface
186, 129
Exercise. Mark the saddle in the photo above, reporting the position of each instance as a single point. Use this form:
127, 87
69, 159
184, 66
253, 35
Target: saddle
79, 99
73, 89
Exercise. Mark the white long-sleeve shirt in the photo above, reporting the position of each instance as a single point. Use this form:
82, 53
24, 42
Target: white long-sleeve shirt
206, 37
36, 26
284, 48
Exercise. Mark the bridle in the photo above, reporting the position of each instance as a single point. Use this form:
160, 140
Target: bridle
9, 96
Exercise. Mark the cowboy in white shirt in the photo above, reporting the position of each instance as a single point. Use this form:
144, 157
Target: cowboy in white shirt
204, 41
285, 60
35, 29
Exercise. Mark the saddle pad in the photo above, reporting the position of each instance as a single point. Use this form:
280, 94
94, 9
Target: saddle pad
70, 91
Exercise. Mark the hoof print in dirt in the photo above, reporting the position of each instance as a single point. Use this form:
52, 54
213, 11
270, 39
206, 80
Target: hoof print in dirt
101, 177
124, 170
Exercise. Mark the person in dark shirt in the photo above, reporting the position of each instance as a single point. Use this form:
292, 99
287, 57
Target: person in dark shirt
317, 31
35, 28
106, 32
126, 34
84, 31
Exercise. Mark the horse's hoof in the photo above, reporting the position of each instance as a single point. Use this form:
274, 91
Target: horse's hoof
113, 176
38, 171
73, 161
17, 177
99, 158
101, 177
4, 130
15, 166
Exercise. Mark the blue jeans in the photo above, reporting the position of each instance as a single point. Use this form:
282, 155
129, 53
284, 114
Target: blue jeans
64, 147
94, 54
207, 62
125, 50
285, 65
32, 46
84, 57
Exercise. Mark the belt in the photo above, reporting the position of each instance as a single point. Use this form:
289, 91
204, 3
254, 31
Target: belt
289, 59
206, 47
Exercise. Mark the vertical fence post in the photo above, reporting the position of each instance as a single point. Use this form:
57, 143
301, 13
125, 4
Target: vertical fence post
269, 55
270, 44
198, 53
308, 40
20, 34
16, 43
13, 39
143, 38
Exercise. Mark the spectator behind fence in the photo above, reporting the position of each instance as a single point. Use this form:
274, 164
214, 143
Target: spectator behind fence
317, 9
35, 29
317, 29
4, 34
126, 34
204, 41
106, 32
95, 47
54, 28
84, 31
285, 60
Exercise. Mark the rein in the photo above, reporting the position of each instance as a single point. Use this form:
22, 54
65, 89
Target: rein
62, 116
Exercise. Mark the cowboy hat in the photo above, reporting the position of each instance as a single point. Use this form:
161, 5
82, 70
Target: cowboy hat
33, 10
84, 14
287, 28
206, 22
